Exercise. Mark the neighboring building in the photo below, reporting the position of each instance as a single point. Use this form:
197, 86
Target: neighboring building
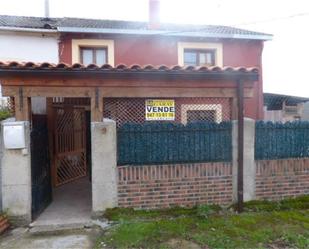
123, 71
284, 108
20, 43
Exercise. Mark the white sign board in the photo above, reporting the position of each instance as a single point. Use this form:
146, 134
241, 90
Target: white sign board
160, 109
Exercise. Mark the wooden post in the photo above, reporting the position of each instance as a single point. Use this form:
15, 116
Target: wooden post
97, 106
240, 173
50, 127
22, 106
234, 104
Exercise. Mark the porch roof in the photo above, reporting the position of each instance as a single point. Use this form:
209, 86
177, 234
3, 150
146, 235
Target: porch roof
9, 69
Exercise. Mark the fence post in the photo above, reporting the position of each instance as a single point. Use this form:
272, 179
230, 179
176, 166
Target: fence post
16, 178
104, 165
249, 164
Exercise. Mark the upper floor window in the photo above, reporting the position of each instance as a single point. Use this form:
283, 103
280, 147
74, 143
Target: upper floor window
98, 51
200, 54
93, 55
199, 57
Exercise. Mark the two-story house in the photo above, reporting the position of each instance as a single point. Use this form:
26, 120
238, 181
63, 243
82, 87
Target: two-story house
114, 69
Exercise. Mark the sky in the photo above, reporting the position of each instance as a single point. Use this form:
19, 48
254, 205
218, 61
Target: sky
285, 58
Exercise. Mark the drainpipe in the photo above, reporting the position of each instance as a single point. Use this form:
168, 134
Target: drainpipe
240, 169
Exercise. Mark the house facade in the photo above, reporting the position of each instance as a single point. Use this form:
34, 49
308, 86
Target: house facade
111, 73
144, 49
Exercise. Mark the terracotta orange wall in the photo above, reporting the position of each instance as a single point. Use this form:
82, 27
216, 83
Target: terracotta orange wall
143, 51
157, 51
248, 54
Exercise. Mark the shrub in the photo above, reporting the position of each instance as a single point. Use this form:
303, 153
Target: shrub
4, 113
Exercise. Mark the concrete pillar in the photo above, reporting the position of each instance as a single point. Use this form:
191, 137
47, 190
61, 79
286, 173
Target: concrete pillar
16, 180
104, 165
249, 165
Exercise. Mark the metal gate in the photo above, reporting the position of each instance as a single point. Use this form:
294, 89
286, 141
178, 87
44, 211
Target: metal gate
40, 166
70, 144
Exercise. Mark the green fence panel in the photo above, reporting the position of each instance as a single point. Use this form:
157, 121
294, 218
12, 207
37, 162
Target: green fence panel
157, 143
278, 140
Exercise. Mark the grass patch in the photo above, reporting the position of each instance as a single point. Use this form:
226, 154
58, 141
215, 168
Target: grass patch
209, 226
4, 113
301, 202
127, 214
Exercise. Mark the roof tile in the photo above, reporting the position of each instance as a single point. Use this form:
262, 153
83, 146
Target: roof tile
172, 29
121, 67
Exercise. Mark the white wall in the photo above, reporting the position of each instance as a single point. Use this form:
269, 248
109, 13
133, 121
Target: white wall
21, 47
28, 47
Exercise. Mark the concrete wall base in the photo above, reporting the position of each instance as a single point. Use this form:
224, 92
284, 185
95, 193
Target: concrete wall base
22, 220
97, 214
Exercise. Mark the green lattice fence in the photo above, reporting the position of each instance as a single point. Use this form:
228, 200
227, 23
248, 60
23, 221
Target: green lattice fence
158, 143
277, 140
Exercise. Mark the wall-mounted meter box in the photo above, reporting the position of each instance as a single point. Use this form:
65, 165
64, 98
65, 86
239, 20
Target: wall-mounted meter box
14, 135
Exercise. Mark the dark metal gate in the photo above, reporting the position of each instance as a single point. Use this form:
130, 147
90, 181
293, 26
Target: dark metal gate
40, 166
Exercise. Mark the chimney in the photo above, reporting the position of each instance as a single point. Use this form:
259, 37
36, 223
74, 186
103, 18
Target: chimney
154, 14
46, 5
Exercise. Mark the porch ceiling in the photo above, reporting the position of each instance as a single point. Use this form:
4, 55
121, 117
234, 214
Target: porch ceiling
76, 71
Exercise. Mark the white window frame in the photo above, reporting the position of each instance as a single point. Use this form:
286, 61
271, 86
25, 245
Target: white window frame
218, 47
96, 43
201, 107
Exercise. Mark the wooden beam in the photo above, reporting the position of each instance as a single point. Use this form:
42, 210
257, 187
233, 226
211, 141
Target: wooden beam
126, 92
49, 91
138, 82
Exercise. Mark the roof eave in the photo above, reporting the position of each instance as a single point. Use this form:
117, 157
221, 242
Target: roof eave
263, 37
193, 75
32, 30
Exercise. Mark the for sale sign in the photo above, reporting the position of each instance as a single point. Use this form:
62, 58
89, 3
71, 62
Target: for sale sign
160, 109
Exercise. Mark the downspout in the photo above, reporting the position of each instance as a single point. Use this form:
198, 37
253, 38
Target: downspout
240, 168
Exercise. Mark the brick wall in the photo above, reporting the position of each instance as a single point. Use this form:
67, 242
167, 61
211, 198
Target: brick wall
277, 179
160, 186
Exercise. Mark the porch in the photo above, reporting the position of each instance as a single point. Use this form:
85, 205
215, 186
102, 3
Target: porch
24, 82
71, 205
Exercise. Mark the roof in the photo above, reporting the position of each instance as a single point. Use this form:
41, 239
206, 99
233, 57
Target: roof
275, 101
30, 68
80, 25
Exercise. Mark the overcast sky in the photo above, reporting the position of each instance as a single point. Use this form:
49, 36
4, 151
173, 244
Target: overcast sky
285, 59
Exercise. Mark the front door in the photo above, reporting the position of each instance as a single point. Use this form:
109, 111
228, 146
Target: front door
70, 160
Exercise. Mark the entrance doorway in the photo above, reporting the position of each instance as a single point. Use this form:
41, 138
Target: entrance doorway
68, 160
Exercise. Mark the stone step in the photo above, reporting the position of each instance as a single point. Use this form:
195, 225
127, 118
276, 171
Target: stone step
58, 228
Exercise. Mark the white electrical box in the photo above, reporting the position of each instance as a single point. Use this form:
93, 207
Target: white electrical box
14, 135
